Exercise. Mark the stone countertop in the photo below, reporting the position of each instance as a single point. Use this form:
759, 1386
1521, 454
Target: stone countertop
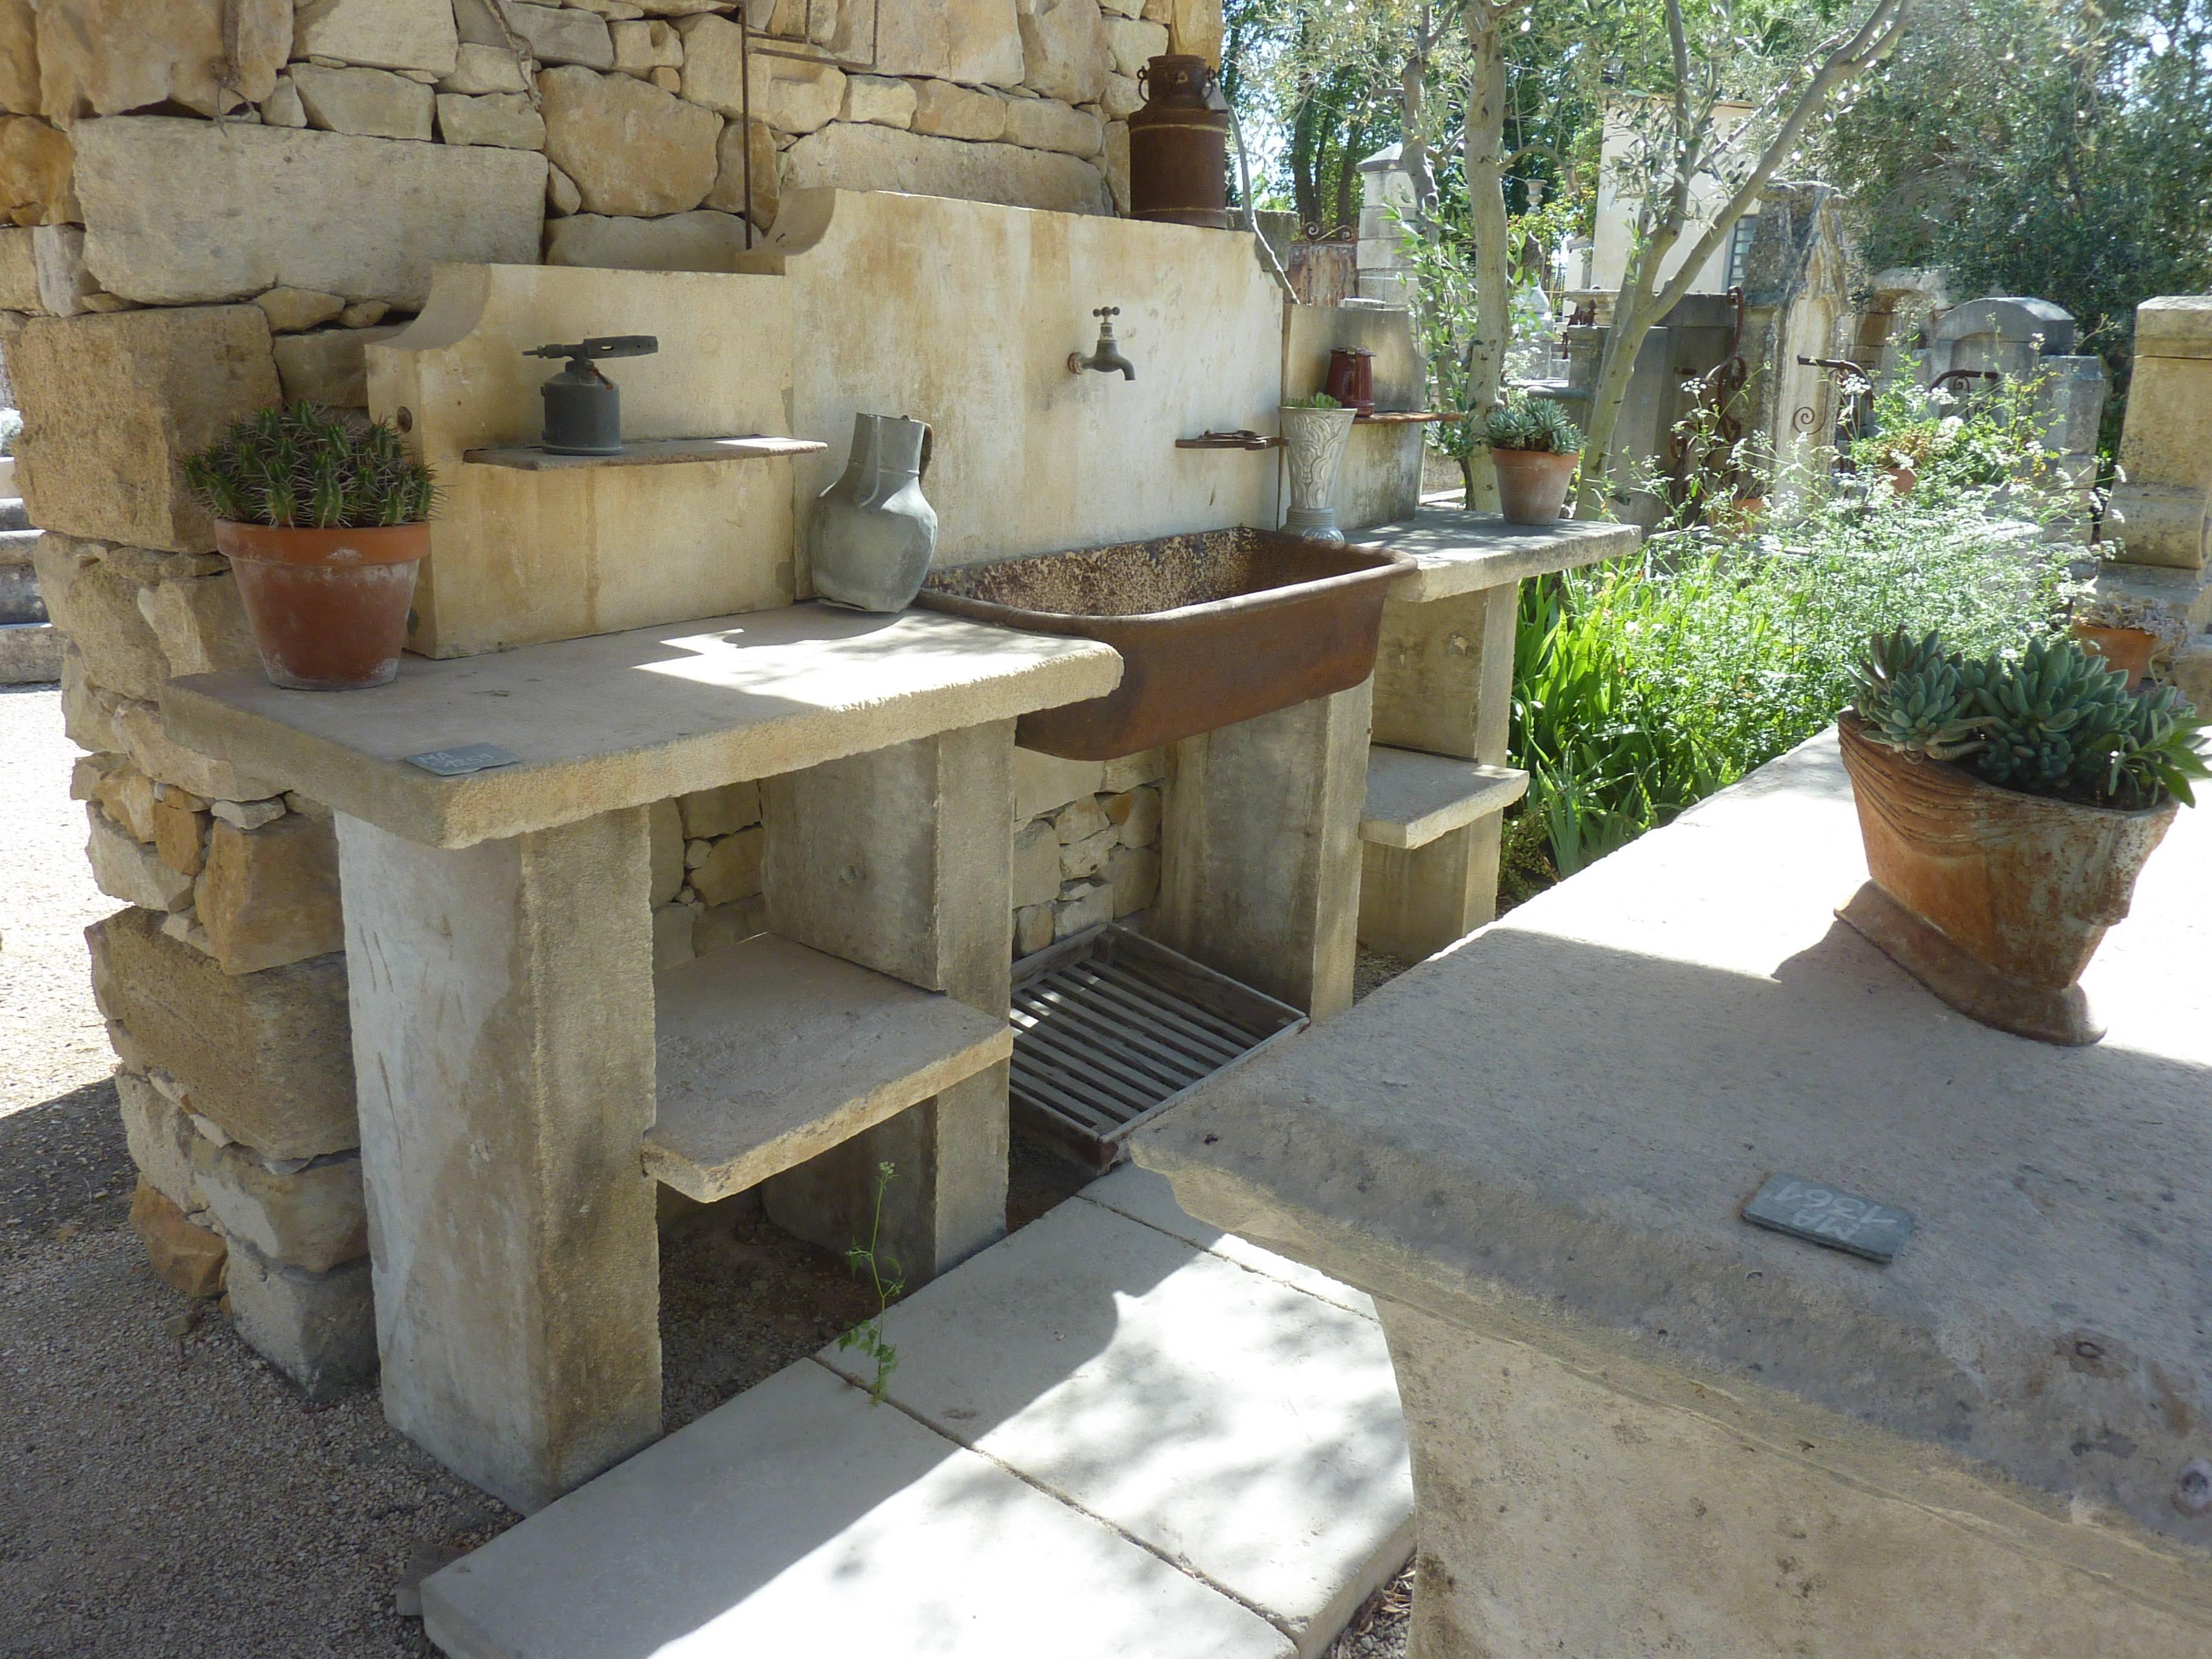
1548, 1133
622, 720
1455, 551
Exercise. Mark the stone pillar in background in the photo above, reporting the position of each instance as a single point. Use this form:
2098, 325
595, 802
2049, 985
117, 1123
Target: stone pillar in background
1387, 198
1260, 849
2166, 449
900, 860
506, 991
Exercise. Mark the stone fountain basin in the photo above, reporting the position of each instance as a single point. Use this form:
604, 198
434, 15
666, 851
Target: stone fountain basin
1213, 626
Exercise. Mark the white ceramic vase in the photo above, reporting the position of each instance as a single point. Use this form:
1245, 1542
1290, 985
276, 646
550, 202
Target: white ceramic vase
1313, 441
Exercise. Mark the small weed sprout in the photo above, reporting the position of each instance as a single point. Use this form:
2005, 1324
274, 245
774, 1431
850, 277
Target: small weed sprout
888, 1280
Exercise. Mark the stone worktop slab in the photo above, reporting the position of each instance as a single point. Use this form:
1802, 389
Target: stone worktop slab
1459, 552
622, 719
1548, 1132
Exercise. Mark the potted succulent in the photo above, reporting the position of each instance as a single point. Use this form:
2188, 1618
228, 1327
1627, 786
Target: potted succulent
2008, 804
2130, 631
1314, 432
325, 521
1535, 449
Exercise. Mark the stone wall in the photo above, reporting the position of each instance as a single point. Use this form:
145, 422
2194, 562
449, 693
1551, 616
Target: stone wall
207, 206
1086, 843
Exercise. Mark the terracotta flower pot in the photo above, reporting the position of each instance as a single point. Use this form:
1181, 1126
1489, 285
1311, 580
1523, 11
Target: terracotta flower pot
1993, 899
328, 608
1532, 483
2127, 649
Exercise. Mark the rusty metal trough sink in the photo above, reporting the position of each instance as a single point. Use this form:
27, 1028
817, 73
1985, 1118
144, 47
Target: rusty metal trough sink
1214, 627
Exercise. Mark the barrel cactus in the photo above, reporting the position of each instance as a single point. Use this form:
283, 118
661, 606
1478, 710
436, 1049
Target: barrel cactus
309, 467
2056, 720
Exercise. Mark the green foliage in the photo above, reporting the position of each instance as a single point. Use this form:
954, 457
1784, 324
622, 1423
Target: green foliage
11, 428
1537, 423
1642, 686
1318, 400
2053, 719
1947, 442
2041, 148
305, 467
888, 1281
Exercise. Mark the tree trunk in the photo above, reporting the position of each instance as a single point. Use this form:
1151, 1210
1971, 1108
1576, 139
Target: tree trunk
1616, 368
1483, 146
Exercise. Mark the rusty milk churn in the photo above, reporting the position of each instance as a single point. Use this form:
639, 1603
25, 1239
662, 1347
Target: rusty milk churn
1179, 145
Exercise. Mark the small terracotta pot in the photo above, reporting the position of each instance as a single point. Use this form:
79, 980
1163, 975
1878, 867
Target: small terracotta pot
1993, 899
1902, 479
1532, 483
328, 608
2127, 649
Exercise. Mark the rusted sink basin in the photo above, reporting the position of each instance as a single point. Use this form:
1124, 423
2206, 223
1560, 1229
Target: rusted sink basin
1213, 628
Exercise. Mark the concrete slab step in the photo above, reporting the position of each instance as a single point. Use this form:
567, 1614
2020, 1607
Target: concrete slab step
799, 1520
1240, 1427
1117, 1432
19, 595
30, 653
16, 542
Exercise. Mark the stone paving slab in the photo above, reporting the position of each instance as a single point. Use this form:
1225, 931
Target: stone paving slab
798, 1521
1236, 1423
1143, 1195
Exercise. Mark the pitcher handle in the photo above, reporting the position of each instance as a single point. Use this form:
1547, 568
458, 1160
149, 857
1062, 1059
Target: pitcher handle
928, 446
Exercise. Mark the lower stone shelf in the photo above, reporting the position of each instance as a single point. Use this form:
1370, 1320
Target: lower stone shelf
1413, 797
769, 1053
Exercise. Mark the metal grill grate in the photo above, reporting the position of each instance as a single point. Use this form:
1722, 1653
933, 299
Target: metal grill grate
1110, 1029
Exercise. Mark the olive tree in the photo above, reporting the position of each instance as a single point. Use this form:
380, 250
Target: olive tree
1681, 152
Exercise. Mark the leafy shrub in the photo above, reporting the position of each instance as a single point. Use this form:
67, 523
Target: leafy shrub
1642, 686
1949, 442
2055, 719
11, 428
1536, 424
307, 467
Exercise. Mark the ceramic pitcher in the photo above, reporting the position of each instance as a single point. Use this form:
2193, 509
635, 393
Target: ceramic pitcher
872, 534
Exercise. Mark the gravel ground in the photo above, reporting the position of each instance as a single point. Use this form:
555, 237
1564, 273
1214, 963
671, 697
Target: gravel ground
50, 1038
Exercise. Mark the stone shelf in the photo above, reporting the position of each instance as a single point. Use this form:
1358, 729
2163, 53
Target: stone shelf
1413, 798
1457, 552
766, 1053
624, 719
647, 452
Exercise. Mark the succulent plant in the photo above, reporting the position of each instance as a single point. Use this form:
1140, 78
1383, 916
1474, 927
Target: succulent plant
1911, 696
305, 467
1538, 423
1318, 400
2056, 720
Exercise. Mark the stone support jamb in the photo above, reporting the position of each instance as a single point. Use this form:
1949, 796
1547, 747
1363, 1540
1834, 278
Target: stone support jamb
501, 999
899, 860
1260, 849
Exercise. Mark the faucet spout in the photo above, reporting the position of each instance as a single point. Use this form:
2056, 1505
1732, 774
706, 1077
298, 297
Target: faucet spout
1107, 358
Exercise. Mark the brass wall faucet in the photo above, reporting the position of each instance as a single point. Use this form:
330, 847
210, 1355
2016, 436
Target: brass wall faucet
1108, 358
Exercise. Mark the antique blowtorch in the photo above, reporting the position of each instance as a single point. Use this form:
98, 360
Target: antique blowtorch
583, 408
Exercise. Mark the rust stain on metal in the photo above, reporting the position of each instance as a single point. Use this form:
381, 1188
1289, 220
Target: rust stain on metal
1213, 628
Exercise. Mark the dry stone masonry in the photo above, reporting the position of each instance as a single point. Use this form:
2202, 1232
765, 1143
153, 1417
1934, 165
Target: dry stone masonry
210, 206
1086, 843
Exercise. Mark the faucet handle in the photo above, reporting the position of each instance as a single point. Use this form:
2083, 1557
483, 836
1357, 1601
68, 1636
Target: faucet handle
1107, 311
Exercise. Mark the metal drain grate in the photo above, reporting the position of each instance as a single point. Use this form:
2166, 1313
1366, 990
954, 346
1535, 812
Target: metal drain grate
1110, 1029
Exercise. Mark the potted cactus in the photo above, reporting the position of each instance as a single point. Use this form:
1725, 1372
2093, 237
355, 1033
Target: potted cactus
325, 520
1535, 449
2008, 805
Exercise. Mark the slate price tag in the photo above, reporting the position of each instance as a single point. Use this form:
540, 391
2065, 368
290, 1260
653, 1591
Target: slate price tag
470, 757
1824, 1215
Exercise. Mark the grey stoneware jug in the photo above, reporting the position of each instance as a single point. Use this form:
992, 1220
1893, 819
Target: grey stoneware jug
869, 545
